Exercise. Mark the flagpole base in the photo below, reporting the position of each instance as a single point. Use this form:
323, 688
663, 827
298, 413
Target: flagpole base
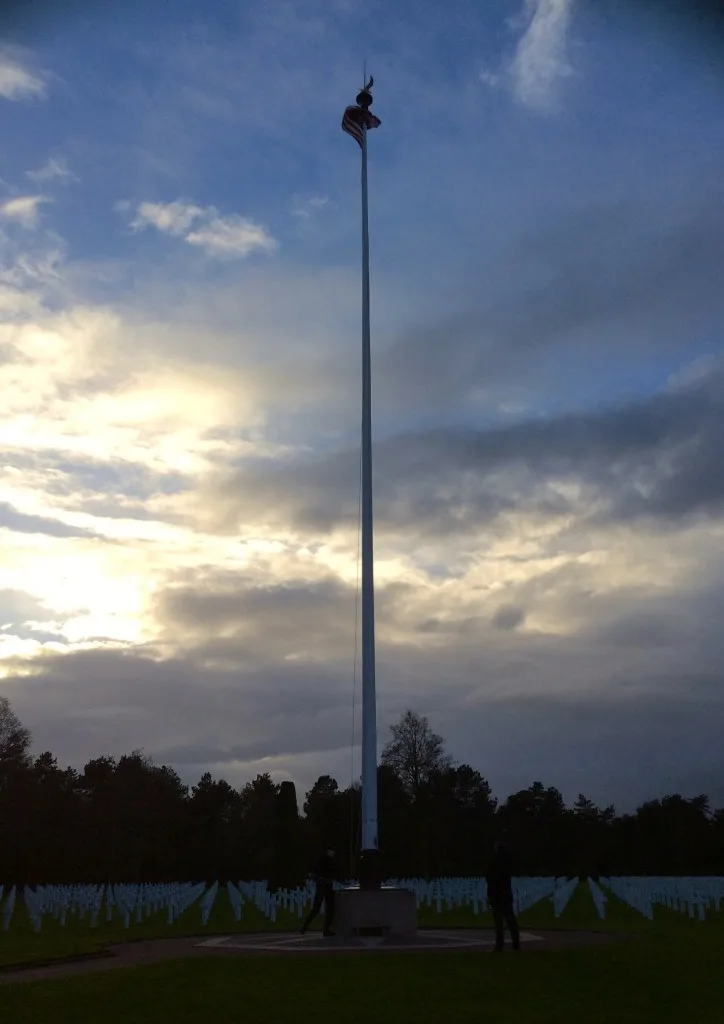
376, 915
369, 870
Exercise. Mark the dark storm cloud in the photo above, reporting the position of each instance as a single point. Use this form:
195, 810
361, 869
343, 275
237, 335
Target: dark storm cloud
623, 750
220, 606
93, 702
645, 629
226, 618
20, 522
657, 457
508, 617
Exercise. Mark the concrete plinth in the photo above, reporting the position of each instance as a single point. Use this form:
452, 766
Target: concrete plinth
384, 912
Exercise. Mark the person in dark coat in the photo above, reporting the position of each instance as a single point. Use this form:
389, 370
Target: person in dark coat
500, 896
324, 873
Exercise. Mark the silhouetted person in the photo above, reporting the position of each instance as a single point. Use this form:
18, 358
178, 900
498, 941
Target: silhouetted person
500, 896
324, 874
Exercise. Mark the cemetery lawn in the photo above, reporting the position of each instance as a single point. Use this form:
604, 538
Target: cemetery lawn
21, 945
669, 975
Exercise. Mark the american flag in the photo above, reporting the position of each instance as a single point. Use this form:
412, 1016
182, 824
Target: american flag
355, 118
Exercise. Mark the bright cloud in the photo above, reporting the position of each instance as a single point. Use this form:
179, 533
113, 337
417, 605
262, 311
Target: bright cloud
17, 82
219, 237
534, 72
541, 60
232, 236
173, 218
23, 209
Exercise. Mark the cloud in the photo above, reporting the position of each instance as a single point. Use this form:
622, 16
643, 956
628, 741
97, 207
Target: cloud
219, 237
651, 458
508, 616
23, 209
18, 606
229, 237
305, 209
583, 710
53, 170
541, 61
16, 81
13, 520
629, 280
238, 648
549, 514
490, 77
534, 72
173, 218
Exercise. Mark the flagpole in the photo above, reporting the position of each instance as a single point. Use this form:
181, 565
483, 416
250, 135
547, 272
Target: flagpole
369, 874
356, 122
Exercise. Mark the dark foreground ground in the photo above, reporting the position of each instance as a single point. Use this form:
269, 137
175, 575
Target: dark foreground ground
432, 942
669, 971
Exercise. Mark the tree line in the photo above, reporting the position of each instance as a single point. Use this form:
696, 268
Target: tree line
128, 819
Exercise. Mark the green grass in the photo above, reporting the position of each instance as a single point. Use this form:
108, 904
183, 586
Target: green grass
658, 980
22, 945
672, 972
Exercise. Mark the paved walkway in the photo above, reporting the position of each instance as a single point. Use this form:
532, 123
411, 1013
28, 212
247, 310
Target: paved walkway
153, 951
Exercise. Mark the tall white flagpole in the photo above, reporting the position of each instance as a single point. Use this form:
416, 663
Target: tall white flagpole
369, 704
369, 875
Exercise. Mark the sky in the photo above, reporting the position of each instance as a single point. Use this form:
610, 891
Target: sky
180, 370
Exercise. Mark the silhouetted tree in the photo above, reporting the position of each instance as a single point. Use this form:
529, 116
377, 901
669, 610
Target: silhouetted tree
673, 836
398, 852
215, 835
14, 743
590, 833
259, 800
132, 820
454, 814
288, 868
415, 752
51, 821
536, 823
328, 817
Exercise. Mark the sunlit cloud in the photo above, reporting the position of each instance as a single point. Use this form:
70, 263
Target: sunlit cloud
179, 434
221, 237
25, 210
174, 218
231, 236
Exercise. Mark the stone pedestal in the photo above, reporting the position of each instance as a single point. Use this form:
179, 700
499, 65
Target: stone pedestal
385, 912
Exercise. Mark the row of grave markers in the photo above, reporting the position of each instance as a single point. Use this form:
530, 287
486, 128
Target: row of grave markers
694, 895
133, 903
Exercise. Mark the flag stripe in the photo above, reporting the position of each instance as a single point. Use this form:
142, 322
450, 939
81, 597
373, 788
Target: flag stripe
355, 118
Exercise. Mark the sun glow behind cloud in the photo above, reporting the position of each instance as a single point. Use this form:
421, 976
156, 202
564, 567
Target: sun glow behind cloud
179, 461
